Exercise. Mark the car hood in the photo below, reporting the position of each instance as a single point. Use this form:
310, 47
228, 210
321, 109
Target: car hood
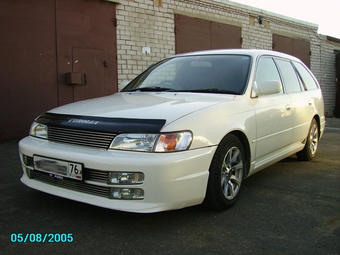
140, 105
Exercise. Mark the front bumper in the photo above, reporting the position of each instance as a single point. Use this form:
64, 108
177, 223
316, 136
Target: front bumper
172, 180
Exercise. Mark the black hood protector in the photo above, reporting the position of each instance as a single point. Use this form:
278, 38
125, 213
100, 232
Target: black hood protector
102, 124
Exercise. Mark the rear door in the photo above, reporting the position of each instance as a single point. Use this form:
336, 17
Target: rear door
301, 102
311, 85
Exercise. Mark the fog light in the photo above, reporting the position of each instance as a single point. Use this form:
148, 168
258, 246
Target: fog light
124, 193
125, 178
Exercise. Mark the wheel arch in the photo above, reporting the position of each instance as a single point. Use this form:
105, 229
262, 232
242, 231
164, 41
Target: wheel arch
245, 143
318, 121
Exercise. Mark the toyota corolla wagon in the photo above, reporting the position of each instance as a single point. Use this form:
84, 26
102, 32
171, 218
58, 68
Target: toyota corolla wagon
186, 131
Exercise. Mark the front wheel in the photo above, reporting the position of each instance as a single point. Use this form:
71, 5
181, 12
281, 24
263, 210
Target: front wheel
312, 142
226, 174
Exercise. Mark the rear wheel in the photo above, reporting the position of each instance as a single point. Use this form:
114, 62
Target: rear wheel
226, 174
311, 146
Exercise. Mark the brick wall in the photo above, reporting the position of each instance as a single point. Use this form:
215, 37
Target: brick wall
150, 23
141, 24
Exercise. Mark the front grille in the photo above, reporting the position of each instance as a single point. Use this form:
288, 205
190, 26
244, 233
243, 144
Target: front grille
78, 137
95, 175
70, 184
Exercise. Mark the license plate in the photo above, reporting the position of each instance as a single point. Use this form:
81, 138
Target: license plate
59, 167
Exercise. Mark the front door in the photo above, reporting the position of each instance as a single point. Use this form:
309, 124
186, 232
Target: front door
274, 119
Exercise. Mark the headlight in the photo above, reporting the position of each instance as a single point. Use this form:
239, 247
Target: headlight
38, 130
166, 142
173, 142
134, 142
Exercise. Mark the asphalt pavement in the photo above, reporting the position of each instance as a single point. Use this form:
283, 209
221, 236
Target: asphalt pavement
291, 207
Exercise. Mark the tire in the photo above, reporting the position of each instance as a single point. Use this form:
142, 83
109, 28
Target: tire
311, 146
226, 174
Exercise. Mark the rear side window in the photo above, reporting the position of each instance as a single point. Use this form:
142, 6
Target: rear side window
290, 77
306, 77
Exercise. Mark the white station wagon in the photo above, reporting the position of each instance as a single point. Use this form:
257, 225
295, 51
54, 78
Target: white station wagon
186, 131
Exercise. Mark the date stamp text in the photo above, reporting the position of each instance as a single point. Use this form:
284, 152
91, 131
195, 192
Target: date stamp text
41, 238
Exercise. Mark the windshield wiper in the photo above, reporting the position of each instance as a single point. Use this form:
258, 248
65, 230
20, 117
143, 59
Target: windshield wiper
149, 89
209, 90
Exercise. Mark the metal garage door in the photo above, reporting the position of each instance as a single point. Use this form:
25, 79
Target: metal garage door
337, 99
42, 41
28, 72
295, 47
194, 34
87, 45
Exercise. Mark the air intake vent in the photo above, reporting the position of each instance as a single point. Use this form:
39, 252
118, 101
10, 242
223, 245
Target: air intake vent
85, 138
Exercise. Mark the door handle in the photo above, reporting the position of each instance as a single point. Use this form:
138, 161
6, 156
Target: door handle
288, 107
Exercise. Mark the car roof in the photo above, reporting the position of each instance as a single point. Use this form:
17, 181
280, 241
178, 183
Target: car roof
251, 52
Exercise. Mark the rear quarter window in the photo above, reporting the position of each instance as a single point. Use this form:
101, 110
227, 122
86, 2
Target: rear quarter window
306, 77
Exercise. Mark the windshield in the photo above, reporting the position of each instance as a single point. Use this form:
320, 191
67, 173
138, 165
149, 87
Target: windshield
210, 74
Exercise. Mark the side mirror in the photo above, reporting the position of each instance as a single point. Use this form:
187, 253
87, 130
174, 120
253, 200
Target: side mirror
267, 88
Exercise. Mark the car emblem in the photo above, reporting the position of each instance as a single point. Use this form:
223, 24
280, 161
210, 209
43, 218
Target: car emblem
81, 121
